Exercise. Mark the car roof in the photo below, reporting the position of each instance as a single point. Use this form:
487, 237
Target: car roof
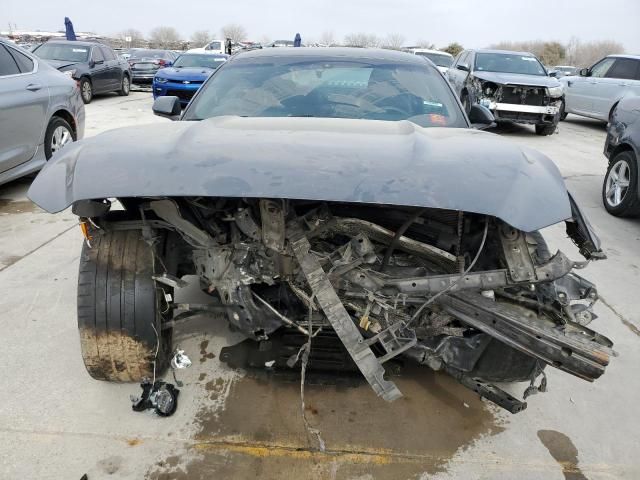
82, 43
624, 55
430, 50
334, 52
491, 50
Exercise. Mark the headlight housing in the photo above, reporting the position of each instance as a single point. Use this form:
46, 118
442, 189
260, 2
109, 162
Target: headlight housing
71, 73
554, 91
160, 80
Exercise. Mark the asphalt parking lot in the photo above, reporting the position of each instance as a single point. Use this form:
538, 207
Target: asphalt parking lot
56, 422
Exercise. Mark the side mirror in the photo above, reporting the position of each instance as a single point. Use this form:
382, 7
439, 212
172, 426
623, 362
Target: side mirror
168, 64
463, 66
553, 73
481, 117
584, 72
167, 107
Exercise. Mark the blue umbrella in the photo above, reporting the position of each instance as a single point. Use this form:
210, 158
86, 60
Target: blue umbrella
297, 42
68, 26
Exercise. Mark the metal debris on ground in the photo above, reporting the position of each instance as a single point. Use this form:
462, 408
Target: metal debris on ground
180, 360
160, 396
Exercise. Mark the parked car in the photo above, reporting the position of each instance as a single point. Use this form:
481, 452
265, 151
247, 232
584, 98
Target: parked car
443, 60
564, 70
597, 90
95, 66
214, 46
186, 76
620, 192
40, 112
513, 85
333, 188
146, 62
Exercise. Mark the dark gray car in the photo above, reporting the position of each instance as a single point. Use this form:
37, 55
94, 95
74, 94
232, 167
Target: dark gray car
333, 196
40, 112
515, 86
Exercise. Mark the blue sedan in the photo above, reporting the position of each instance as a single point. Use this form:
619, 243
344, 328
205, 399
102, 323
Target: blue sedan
186, 75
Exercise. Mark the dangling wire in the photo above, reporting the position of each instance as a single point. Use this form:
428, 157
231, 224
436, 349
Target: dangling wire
452, 285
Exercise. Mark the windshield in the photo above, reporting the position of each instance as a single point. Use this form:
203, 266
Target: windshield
200, 61
63, 52
509, 63
144, 53
214, 46
308, 87
437, 58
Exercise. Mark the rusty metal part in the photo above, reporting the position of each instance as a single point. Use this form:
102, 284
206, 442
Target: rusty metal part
574, 349
338, 316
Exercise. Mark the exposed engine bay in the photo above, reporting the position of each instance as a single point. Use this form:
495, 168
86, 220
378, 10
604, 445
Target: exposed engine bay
459, 292
519, 103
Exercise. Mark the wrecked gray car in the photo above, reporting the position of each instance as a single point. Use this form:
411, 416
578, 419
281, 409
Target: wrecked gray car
310, 194
515, 86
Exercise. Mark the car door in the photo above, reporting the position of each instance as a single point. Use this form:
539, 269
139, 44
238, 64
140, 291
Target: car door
24, 102
98, 71
582, 89
111, 64
618, 80
456, 76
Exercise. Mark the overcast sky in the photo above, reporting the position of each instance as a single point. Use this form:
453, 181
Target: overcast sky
474, 23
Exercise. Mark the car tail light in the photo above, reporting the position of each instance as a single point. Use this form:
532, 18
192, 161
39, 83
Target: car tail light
161, 62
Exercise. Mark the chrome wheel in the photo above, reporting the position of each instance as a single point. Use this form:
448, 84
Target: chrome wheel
617, 183
61, 136
86, 91
125, 84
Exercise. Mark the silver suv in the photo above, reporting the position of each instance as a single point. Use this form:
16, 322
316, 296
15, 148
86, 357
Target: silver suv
40, 112
598, 89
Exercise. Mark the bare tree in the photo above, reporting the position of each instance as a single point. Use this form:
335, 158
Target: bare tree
164, 37
572, 53
361, 40
137, 39
235, 32
394, 41
453, 48
586, 54
422, 43
327, 38
200, 38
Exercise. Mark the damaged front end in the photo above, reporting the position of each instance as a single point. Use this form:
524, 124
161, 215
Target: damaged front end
527, 104
460, 292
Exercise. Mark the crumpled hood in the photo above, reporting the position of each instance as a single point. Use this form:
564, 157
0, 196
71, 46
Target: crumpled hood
362, 161
186, 73
517, 79
60, 64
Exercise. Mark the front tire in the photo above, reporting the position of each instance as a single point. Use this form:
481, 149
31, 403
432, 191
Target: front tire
59, 133
120, 309
563, 114
546, 129
86, 90
466, 103
125, 86
620, 186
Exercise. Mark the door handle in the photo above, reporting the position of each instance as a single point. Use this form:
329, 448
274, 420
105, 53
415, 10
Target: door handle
623, 84
34, 87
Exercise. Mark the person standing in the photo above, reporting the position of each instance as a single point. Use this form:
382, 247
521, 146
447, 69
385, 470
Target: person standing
228, 47
297, 42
